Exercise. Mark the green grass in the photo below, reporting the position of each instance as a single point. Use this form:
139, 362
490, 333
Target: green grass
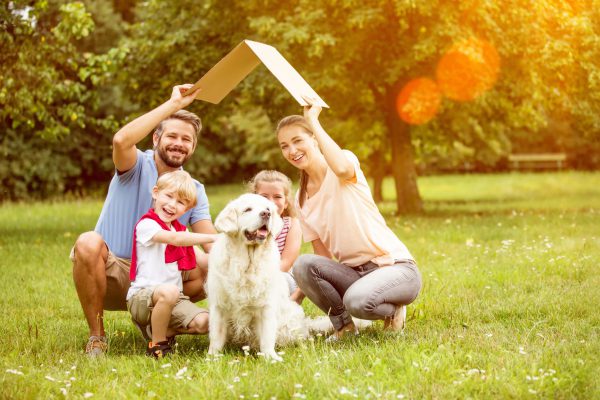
509, 307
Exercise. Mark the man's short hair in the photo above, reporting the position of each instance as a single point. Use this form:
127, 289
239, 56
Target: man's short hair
185, 116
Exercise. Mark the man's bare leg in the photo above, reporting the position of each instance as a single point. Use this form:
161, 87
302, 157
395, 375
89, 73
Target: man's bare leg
199, 325
89, 275
194, 286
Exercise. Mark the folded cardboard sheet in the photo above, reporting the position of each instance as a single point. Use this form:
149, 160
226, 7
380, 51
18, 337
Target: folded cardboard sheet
235, 66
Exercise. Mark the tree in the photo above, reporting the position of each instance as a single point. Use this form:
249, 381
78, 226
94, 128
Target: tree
361, 54
49, 117
64, 90
358, 56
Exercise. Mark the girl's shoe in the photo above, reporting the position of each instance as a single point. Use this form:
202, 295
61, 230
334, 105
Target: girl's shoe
334, 337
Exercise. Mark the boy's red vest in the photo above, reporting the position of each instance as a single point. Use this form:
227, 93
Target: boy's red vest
184, 255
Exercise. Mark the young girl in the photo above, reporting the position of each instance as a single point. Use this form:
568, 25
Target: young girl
277, 187
360, 268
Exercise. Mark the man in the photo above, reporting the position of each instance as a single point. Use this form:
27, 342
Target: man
101, 258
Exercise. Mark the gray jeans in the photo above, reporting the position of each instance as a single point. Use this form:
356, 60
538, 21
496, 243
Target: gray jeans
366, 291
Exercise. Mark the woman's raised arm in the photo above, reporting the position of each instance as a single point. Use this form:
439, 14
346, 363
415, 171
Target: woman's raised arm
334, 156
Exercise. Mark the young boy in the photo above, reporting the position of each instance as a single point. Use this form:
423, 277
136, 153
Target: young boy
162, 248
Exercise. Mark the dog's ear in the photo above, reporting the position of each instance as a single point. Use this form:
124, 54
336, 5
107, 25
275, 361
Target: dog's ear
276, 223
227, 220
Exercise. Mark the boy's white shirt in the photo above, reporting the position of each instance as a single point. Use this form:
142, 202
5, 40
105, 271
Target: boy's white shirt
151, 267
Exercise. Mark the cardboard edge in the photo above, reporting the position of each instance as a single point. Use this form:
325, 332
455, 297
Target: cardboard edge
300, 100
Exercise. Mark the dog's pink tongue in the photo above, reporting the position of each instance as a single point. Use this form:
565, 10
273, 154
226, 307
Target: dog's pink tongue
262, 233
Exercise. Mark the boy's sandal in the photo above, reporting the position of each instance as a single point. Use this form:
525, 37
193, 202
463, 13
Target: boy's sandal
159, 350
171, 340
146, 331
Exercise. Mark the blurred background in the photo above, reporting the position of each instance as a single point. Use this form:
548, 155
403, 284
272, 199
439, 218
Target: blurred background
416, 87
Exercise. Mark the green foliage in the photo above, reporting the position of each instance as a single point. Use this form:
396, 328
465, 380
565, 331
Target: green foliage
75, 22
34, 167
72, 72
363, 51
109, 27
50, 119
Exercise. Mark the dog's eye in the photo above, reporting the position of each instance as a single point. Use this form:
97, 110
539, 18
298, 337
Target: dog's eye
248, 209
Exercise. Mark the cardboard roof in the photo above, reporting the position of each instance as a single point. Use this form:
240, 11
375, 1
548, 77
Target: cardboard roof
235, 66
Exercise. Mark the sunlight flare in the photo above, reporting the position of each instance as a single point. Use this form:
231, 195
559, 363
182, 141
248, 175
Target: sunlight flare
418, 101
468, 69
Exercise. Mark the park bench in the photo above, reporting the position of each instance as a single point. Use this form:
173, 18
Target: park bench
537, 161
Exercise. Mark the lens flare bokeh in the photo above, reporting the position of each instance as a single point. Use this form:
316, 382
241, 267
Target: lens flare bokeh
468, 69
418, 101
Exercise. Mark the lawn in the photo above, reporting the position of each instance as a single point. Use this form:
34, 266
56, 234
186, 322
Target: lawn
509, 307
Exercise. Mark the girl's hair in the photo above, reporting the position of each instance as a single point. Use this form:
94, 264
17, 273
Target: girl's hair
300, 121
275, 176
182, 184
185, 116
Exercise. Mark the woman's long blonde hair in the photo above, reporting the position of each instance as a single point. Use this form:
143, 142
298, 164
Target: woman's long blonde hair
300, 121
275, 176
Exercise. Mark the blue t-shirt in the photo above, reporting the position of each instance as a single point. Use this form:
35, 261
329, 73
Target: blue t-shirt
129, 197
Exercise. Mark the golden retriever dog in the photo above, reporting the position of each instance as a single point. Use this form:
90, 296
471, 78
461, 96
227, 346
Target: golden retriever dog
248, 296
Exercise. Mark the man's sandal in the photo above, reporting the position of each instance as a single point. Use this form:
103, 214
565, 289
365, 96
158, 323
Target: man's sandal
96, 346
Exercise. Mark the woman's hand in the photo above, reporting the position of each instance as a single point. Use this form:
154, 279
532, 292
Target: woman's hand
312, 111
334, 156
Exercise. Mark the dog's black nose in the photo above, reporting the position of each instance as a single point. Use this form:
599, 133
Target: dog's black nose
265, 214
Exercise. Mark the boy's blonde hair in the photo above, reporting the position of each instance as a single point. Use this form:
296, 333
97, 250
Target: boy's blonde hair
182, 184
275, 176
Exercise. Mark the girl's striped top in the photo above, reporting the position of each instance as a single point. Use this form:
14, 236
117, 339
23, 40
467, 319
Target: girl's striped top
280, 239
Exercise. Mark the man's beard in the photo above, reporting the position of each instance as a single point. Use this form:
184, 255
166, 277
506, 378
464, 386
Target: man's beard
164, 156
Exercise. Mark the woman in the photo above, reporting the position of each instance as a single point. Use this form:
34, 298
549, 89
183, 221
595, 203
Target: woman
375, 276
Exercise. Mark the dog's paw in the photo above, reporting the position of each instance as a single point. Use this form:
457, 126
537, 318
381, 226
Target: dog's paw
272, 355
212, 352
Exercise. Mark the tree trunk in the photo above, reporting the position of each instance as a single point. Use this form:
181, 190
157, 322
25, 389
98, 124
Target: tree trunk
378, 188
377, 169
408, 199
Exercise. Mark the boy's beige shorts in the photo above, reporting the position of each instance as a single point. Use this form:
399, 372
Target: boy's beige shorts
140, 306
117, 281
